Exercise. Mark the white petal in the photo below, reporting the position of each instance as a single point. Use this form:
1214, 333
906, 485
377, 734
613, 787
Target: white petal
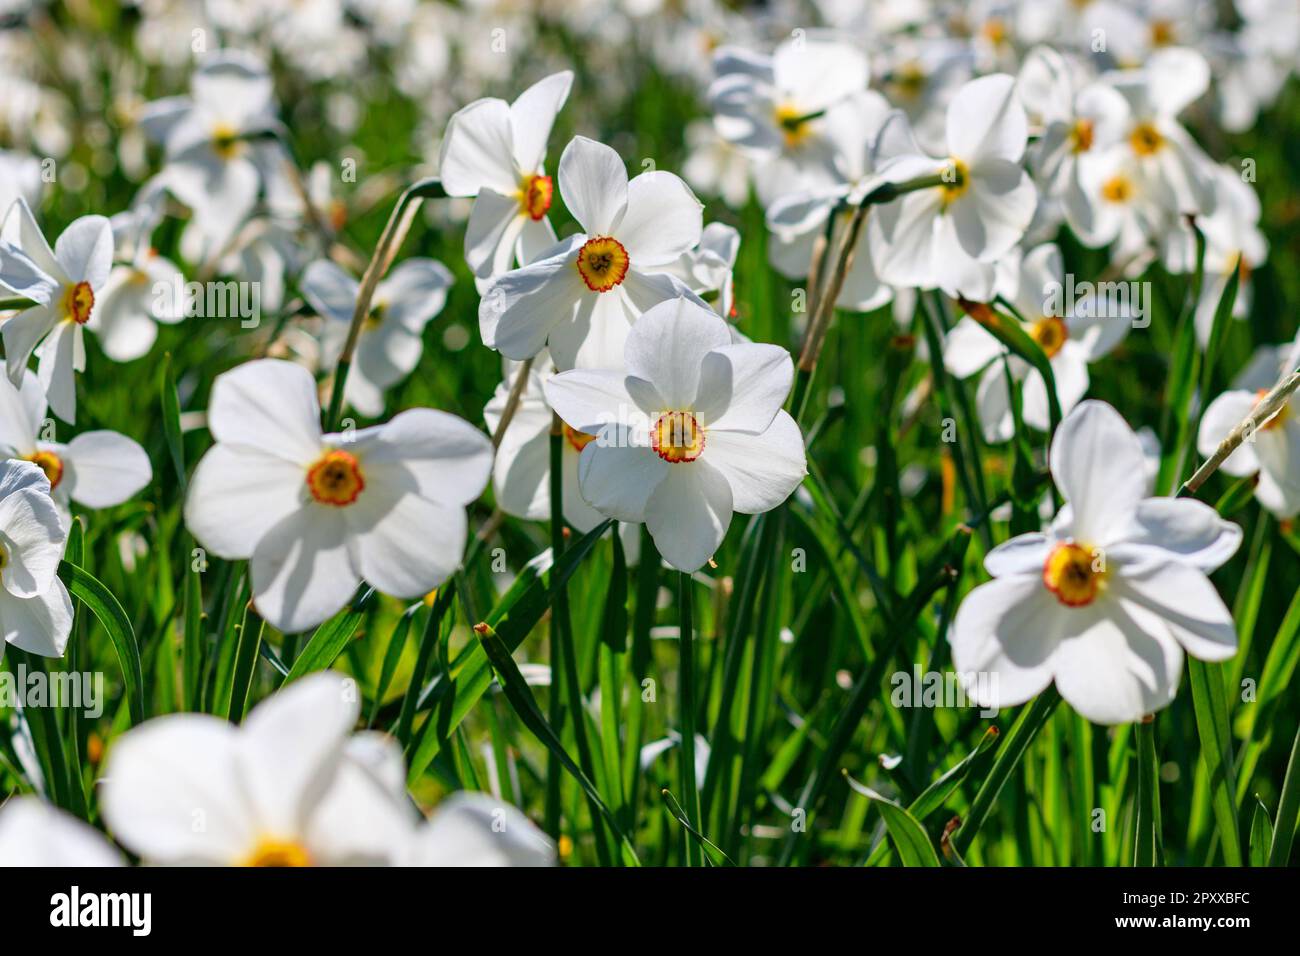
1223, 415
270, 405
445, 458
762, 469
329, 290
494, 223
969, 347
40, 624
1183, 597
663, 219
105, 469
35, 833
1004, 638
618, 480
290, 747
995, 211
476, 830
409, 546
533, 114
742, 387
172, 792
61, 356
236, 494
1118, 664
987, 121
85, 250
589, 399
519, 309
1190, 529
32, 538
21, 413
20, 335
668, 344
688, 514
1023, 554
1097, 462
414, 292
477, 150
593, 182
302, 570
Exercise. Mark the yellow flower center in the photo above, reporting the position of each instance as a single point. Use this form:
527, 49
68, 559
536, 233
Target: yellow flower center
1162, 33
956, 180
1117, 189
1279, 417
579, 440
1146, 139
535, 194
272, 852
49, 463
1081, 134
226, 142
602, 263
1074, 573
677, 437
78, 300
336, 479
376, 317
1050, 333
995, 31
909, 80
796, 126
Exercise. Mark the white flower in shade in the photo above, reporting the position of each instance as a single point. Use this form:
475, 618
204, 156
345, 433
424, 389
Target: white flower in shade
495, 151
1071, 334
217, 142
391, 340
316, 513
866, 135
1079, 121
140, 293
35, 833
950, 235
63, 282
287, 788
1272, 450
920, 75
707, 270
473, 829
689, 432
97, 469
20, 177
1232, 241
581, 297
1170, 81
772, 107
1124, 207
1108, 599
35, 610
714, 166
521, 471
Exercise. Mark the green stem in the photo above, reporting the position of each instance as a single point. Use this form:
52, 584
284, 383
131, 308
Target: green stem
686, 706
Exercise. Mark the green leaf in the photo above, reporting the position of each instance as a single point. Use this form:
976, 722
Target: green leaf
1211, 706
1288, 810
514, 616
87, 588
1146, 822
171, 407
914, 847
1261, 835
329, 640
393, 655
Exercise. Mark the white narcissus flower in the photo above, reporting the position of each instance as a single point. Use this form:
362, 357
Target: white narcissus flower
714, 166
866, 134
690, 431
1170, 81
293, 786
215, 140
1108, 599
707, 269
1272, 450
1232, 241
316, 513
287, 788
950, 235
521, 471
35, 833
495, 151
35, 610
97, 469
63, 282
1080, 121
580, 297
20, 177
772, 107
1071, 335
391, 341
